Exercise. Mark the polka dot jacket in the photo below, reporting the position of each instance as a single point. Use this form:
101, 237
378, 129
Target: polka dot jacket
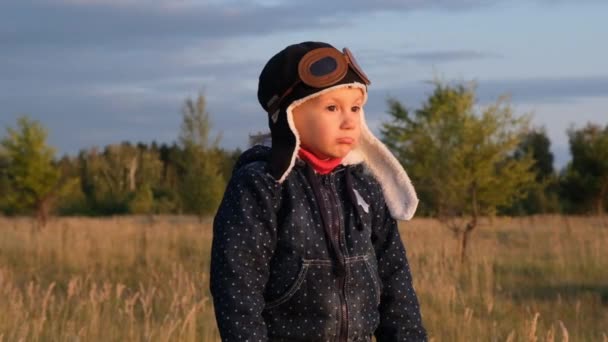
315, 258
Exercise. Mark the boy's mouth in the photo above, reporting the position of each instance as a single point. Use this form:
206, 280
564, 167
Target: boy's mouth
346, 140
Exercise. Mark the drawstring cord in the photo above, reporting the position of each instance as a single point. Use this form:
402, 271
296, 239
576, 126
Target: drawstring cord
316, 188
353, 199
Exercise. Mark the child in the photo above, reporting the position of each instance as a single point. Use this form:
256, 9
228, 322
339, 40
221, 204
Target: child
305, 243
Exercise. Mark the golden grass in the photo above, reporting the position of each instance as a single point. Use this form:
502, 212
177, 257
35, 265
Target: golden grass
143, 279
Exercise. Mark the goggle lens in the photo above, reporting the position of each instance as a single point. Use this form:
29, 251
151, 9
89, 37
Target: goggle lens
323, 67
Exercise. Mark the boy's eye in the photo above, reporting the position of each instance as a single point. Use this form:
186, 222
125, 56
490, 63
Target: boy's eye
355, 108
332, 108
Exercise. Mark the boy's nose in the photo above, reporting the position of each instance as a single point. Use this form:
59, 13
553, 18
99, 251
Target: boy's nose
349, 120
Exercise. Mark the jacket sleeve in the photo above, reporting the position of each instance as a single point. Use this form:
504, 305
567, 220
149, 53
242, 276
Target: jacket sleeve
244, 238
400, 318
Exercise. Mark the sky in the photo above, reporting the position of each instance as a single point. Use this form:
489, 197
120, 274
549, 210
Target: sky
97, 72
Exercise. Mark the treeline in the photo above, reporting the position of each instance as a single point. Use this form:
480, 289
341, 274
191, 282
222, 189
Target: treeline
144, 179
185, 177
462, 162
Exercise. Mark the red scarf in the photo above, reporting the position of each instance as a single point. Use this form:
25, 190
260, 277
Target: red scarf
322, 166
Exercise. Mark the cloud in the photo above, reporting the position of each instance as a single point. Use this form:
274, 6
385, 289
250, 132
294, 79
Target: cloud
102, 71
386, 59
136, 23
545, 90
434, 57
142, 102
521, 91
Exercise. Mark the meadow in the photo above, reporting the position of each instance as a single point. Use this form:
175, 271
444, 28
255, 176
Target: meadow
541, 278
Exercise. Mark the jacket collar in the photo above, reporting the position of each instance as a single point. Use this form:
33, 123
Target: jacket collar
321, 166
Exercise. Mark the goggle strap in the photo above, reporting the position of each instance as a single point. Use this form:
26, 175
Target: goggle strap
274, 108
350, 58
275, 116
272, 101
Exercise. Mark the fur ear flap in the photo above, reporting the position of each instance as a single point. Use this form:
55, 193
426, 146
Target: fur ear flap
399, 193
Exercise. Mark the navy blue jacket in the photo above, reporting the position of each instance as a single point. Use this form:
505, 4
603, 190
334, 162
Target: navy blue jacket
315, 258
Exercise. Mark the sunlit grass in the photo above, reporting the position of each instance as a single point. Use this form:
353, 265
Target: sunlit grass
146, 279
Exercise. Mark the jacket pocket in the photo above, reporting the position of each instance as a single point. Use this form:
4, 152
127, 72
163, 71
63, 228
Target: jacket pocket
292, 289
309, 309
372, 268
363, 289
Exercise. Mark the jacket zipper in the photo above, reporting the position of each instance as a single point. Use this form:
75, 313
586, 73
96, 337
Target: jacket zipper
336, 228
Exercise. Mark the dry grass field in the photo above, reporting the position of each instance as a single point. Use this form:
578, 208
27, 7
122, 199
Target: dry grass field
146, 279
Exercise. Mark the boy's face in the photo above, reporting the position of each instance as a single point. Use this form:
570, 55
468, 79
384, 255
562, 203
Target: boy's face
329, 125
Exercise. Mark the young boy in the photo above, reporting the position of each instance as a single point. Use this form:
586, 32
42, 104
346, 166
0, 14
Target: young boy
305, 243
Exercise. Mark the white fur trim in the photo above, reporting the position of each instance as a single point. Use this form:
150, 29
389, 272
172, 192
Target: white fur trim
399, 193
397, 188
294, 155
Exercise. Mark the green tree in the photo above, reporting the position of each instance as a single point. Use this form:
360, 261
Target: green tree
201, 182
460, 160
72, 199
121, 174
108, 178
167, 194
585, 179
229, 159
543, 196
32, 179
148, 170
142, 201
147, 179
4, 182
537, 142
